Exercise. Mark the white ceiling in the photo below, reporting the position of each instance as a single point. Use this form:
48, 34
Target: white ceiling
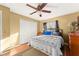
58, 9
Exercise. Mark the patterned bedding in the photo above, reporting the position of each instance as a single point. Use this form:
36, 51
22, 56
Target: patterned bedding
49, 44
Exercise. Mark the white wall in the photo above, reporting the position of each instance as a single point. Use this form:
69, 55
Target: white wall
28, 29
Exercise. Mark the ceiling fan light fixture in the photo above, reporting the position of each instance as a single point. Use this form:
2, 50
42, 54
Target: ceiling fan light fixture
40, 15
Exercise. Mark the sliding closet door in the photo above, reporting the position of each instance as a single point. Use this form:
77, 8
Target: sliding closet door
28, 29
0, 29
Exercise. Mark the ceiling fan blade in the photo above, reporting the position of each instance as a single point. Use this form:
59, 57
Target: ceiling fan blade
33, 12
46, 11
31, 6
42, 6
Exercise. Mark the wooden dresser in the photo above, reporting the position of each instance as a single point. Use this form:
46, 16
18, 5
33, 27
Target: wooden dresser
74, 44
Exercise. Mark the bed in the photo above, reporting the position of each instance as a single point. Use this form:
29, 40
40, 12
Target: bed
48, 44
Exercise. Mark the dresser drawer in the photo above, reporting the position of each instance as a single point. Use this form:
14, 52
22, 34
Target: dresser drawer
74, 50
74, 44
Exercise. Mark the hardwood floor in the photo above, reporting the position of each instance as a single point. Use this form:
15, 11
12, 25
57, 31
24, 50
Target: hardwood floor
17, 50
26, 47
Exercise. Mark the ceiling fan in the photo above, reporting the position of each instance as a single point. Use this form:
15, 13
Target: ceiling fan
39, 8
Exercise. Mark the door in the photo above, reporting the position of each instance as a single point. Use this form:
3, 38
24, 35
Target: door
28, 29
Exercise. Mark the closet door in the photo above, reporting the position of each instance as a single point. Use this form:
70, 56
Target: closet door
28, 29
